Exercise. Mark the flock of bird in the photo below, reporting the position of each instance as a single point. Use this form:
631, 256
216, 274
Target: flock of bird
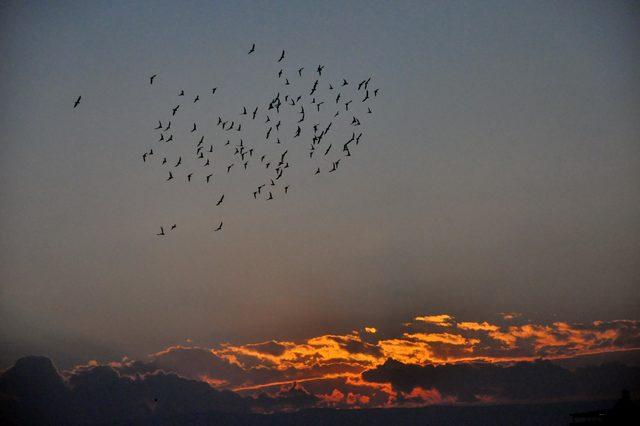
307, 107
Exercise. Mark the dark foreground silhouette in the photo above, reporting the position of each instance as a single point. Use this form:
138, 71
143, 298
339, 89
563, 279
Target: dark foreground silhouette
32, 392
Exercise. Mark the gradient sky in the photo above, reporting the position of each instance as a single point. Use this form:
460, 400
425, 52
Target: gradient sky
500, 172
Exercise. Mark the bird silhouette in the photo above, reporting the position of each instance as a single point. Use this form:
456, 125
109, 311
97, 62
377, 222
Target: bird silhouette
161, 231
253, 48
152, 78
77, 102
170, 176
281, 57
208, 177
174, 226
219, 227
181, 93
194, 128
300, 71
175, 109
220, 200
159, 125
196, 99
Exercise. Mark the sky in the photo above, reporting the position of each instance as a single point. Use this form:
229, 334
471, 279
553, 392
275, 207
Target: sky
498, 172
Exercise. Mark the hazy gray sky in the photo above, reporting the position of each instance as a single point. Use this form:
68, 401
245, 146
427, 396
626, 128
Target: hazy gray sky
499, 173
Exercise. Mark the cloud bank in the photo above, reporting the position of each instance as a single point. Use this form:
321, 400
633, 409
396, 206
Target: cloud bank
435, 360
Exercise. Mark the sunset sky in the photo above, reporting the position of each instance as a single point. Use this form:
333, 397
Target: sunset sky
491, 212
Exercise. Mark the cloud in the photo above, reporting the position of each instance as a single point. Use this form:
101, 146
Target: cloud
443, 319
439, 361
522, 381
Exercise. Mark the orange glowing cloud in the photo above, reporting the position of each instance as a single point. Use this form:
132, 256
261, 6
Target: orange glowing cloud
442, 320
331, 366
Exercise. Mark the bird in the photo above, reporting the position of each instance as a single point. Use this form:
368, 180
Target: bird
159, 125
161, 231
77, 102
144, 157
164, 160
220, 200
169, 124
219, 227
244, 111
317, 171
196, 99
255, 111
281, 57
189, 177
300, 71
174, 226
179, 162
181, 93
194, 128
151, 78
208, 177
170, 176
175, 109
320, 68
270, 196
253, 49
213, 91
344, 82
229, 167
286, 189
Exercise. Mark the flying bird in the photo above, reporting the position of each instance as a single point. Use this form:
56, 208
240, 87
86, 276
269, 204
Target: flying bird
253, 48
152, 78
161, 231
220, 200
219, 227
77, 102
281, 57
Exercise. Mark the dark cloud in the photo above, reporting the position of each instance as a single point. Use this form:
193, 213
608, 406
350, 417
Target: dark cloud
522, 381
33, 390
